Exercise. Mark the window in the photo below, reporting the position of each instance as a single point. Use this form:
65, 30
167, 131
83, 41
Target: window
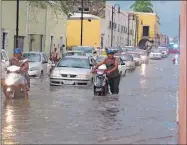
110, 24
145, 30
41, 43
86, 9
118, 27
20, 42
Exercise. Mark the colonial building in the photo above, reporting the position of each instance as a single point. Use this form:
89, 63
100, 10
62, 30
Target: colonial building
164, 39
120, 28
120, 24
39, 27
148, 27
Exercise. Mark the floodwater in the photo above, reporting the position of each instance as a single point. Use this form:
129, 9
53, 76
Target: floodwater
144, 112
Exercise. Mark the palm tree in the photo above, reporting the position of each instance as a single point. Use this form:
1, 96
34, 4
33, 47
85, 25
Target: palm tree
142, 6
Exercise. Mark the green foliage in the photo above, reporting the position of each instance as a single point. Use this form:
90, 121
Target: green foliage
142, 6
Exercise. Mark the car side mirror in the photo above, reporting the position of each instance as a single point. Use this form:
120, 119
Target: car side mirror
3, 61
122, 63
53, 65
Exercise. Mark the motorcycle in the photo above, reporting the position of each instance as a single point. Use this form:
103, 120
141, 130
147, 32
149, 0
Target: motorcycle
14, 84
101, 82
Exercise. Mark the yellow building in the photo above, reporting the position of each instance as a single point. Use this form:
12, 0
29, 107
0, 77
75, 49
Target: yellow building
148, 27
91, 30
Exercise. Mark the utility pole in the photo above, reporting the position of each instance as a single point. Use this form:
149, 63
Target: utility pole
82, 10
179, 31
128, 30
17, 22
112, 25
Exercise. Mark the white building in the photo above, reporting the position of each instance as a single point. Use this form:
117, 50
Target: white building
120, 28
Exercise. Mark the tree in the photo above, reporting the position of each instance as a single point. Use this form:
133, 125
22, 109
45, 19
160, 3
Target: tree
67, 6
142, 6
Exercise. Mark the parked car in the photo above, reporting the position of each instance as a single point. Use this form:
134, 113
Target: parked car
4, 63
156, 54
129, 62
117, 50
143, 54
137, 58
122, 66
74, 52
129, 48
39, 64
88, 50
72, 70
4, 57
165, 51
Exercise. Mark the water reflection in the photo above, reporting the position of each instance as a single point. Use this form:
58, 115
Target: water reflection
143, 69
9, 128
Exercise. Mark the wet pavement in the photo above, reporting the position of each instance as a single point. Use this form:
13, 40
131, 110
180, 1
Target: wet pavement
144, 112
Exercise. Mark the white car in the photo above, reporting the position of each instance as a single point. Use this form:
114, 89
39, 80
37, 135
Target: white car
165, 51
129, 62
73, 71
4, 63
39, 64
156, 54
137, 58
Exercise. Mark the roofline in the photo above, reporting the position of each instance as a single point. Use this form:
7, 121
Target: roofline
85, 17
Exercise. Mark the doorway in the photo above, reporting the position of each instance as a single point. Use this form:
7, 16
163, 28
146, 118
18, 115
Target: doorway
5, 41
20, 42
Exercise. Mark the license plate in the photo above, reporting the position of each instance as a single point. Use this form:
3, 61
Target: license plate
98, 89
68, 82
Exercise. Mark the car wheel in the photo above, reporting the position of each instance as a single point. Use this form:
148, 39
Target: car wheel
41, 73
125, 73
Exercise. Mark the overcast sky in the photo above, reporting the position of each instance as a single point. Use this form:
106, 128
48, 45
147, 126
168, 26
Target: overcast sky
168, 11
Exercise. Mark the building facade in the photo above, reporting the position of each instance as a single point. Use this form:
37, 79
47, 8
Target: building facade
148, 27
90, 34
120, 28
39, 27
164, 39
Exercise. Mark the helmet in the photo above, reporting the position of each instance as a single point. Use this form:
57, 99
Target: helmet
17, 51
110, 51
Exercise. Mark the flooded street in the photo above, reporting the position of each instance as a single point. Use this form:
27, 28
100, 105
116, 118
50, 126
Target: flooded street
144, 111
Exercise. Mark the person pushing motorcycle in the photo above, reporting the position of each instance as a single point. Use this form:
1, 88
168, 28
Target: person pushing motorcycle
17, 60
112, 71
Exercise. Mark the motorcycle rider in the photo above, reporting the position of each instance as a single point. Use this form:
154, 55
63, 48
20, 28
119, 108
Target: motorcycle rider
17, 60
112, 71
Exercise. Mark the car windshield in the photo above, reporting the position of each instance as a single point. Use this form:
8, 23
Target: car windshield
129, 49
73, 53
32, 57
84, 49
135, 55
100, 59
126, 58
162, 48
156, 51
74, 63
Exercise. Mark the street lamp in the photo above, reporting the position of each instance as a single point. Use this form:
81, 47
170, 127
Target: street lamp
113, 8
17, 22
133, 18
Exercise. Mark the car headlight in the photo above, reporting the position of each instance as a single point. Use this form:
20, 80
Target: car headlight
55, 74
33, 69
86, 76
